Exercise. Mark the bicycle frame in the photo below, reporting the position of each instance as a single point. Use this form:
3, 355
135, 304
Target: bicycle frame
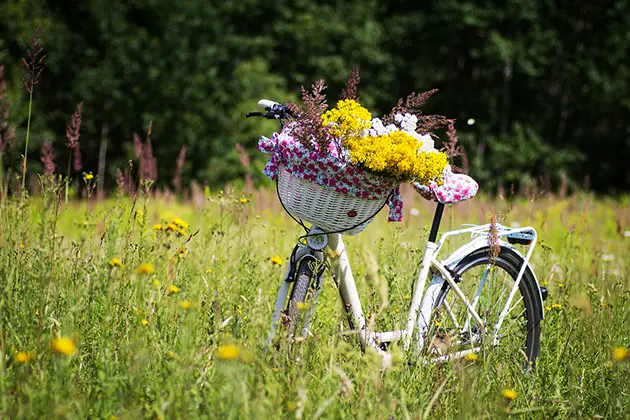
420, 309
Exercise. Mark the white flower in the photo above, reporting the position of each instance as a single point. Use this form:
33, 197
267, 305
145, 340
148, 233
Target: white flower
427, 143
408, 122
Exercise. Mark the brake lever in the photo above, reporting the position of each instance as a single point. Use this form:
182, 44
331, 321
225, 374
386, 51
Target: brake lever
254, 114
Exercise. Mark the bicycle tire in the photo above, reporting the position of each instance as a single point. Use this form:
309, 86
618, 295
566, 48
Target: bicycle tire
510, 262
299, 293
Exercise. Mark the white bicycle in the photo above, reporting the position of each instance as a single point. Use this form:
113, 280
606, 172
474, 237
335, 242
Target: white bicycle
479, 295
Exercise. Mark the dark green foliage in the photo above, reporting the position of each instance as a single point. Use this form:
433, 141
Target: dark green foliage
546, 82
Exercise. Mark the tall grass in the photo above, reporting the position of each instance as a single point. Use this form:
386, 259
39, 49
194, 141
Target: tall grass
148, 301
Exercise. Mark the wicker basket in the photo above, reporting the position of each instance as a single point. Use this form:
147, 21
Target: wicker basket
325, 207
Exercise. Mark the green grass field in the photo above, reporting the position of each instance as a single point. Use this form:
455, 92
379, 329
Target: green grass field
148, 310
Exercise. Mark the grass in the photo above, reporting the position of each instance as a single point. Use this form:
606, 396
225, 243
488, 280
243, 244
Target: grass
148, 341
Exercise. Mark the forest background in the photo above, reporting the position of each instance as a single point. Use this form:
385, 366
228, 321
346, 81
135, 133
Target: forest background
546, 83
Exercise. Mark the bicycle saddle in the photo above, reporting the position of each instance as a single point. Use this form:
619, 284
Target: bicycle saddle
454, 189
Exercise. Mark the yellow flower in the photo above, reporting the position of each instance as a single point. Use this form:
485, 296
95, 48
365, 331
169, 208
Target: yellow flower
208, 270
156, 283
145, 322
63, 345
554, 307
158, 226
228, 352
23, 357
276, 260
145, 269
347, 120
437, 323
471, 356
21, 246
88, 176
186, 304
174, 289
179, 223
115, 262
244, 200
621, 353
509, 395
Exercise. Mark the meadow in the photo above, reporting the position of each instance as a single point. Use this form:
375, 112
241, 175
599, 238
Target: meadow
153, 307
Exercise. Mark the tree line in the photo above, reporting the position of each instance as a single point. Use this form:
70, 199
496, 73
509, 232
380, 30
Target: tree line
540, 89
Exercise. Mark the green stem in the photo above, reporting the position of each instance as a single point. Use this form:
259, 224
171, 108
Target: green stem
28, 130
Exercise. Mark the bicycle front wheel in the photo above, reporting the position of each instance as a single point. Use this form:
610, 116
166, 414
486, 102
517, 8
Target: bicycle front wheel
487, 286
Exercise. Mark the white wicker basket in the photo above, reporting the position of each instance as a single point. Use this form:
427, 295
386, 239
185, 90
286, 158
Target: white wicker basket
325, 207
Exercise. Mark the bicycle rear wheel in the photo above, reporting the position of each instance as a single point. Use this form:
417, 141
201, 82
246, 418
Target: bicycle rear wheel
487, 286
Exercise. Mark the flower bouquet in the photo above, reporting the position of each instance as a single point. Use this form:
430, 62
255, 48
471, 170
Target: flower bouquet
336, 168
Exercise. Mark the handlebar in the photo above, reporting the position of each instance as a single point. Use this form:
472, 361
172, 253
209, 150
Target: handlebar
275, 111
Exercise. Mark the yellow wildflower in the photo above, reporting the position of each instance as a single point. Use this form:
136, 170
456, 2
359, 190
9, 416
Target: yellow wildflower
186, 304
243, 200
156, 283
174, 289
471, 356
63, 345
23, 357
145, 268
88, 176
509, 395
276, 260
347, 120
21, 246
208, 270
554, 307
158, 226
115, 262
179, 223
228, 352
437, 323
398, 155
621, 354
145, 322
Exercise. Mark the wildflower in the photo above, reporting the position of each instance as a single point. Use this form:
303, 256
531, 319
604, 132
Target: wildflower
115, 262
181, 252
608, 257
144, 322
63, 345
509, 395
186, 304
472, 357
208, 270
23, 357
228, 352
243, 200
156, 283
276, 260
471, 121
179, 223
554, 307
145, 269
437, 323
172, 227
89, 176
406, 297
158, 226
291, 406
21, 246
621, 354
173, 289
